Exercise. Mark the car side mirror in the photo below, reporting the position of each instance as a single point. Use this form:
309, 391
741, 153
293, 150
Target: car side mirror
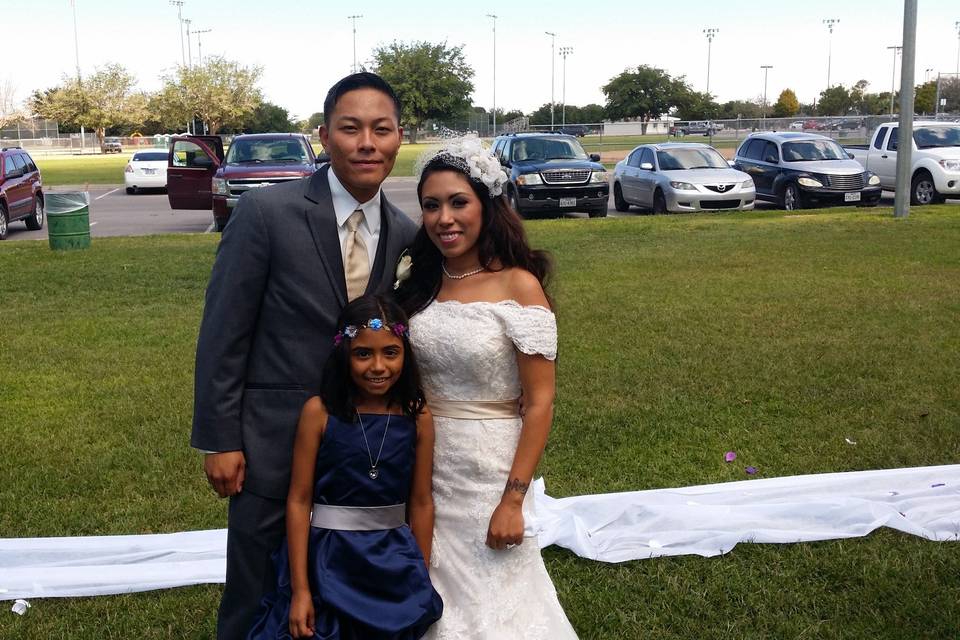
851, 156
323, 158
646, 166
595, 157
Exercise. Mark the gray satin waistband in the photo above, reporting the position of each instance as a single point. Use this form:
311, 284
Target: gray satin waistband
326, 516
474, 409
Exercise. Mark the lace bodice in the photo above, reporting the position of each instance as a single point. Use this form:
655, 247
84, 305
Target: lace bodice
467, 350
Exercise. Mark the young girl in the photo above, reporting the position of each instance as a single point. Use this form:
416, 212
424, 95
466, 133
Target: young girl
362, 466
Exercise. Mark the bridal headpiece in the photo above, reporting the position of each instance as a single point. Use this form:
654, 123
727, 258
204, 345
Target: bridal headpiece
469, 156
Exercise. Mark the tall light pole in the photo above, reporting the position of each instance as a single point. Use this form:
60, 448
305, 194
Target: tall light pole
766, 68
893, 75
710, 33
902, 192
353, 20
179, 5
553, 40
957, 25
76, 50
926, 74
494, 17
199, 45
564, 52
830, 22
187, 21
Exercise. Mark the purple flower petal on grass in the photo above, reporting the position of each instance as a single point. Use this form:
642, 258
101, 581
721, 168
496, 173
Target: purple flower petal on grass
730, 456
751, 470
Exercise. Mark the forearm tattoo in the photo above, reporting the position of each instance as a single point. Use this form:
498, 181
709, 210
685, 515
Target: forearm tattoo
515, 485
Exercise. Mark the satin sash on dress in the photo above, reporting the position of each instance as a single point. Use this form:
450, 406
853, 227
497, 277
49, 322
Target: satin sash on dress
474, 409
328, 516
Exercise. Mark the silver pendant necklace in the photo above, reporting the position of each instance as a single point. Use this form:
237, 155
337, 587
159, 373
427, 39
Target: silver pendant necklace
374, 473
443, 265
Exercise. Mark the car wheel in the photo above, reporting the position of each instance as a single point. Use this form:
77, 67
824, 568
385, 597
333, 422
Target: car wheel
619, 203
35, 220
659, 202
790, 200
922, 189
515, 203
3, 223
131, 191
218, 225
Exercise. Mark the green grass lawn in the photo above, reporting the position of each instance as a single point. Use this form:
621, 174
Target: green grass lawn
681, 337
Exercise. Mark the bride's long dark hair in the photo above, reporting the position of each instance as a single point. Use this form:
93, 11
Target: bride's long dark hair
502, 242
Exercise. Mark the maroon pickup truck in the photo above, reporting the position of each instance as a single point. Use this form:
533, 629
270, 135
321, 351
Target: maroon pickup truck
201, 176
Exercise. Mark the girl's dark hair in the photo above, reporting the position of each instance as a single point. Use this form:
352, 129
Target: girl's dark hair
338, 391
502, 239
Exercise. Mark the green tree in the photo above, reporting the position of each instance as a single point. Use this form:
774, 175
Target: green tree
835, 101
268, 117
433, 81
695, 105
542, 115
220, 92
314, 121
739, 109
925, 97
507, 116
102, 100
787, 104
644, 92
592, 114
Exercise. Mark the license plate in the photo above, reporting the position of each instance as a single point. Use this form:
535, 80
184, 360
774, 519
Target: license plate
149, 172
572, 202
852, 197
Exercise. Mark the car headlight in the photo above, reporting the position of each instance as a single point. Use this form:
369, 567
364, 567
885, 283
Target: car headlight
220, 187
809, 182
874, 180
598, 176
950, 164
529, 179
683, 186
747, 184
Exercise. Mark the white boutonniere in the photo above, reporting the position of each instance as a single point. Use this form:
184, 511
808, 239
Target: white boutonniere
404, 265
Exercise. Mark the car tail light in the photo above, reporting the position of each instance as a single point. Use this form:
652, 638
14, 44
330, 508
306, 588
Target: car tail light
129, 169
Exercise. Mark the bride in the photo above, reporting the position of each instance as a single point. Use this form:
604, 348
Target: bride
484, 334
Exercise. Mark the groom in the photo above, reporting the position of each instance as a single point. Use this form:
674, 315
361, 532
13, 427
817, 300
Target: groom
290, 258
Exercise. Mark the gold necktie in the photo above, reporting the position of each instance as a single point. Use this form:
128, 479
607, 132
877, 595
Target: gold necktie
356, 260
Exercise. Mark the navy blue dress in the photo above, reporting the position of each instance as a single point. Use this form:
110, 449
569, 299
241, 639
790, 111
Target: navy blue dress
365, 584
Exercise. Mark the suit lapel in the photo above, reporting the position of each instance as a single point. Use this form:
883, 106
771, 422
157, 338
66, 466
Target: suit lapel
322, 221
388, 250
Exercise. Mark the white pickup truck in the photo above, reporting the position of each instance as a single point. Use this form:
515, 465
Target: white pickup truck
935, 174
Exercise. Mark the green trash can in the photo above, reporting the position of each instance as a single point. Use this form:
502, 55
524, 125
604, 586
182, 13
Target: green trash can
68, 220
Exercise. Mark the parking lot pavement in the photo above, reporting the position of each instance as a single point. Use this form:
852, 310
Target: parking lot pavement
115, 213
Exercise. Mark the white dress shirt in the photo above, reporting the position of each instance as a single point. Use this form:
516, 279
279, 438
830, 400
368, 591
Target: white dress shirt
344, 205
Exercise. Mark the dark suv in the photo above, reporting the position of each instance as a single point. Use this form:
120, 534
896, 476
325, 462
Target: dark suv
550, 172
21, 190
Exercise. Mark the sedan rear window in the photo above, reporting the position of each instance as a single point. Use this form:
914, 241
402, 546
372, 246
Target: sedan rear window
150, 156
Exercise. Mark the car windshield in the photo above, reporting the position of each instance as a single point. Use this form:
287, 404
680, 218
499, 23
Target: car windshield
267, 151
539, 149
932, 137
679, 159
813, 150
150, 156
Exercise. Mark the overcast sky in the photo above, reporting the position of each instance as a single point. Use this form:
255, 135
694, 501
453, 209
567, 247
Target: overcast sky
306, 45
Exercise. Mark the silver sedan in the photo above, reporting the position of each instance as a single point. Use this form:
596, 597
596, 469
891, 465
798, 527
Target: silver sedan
679, 176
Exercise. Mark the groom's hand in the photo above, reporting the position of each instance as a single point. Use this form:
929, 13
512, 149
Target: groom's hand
225, 472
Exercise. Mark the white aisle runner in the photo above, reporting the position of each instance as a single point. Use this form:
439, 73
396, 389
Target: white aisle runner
705, 520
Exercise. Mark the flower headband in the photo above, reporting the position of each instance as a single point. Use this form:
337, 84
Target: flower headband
469, 156
374, 324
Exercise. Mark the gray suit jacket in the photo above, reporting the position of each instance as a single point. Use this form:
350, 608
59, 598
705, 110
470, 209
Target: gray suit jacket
272, 303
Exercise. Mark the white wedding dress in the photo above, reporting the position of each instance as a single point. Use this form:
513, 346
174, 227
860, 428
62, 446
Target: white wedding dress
467, 352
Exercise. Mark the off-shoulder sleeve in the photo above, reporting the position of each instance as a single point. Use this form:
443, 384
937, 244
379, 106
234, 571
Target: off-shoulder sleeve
532, 329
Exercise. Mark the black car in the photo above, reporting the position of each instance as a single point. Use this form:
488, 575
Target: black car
798, 170
551, 173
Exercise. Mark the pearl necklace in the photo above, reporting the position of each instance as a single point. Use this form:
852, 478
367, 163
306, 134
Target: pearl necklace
443, 265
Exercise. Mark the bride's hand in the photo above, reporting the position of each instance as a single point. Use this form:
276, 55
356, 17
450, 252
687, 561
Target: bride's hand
506, 526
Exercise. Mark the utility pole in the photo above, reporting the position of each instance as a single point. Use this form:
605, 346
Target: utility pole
353, 19
901, 203
893, 74
186, 21
710, 33
957, 25
564, 52
76, 50
553, 40
494, 17
179, 5
199, 45
766, 68
830, 22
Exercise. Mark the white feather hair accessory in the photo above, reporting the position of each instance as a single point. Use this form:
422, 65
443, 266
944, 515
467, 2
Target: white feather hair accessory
469, 155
